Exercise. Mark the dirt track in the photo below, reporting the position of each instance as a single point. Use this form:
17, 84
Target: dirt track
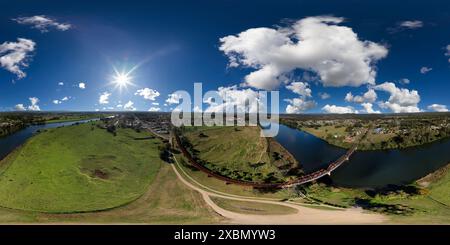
304, 215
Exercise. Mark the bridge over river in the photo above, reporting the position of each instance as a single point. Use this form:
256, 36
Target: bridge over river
298, 181
322, 172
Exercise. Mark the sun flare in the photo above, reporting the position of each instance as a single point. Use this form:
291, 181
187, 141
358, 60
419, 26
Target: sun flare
122, 79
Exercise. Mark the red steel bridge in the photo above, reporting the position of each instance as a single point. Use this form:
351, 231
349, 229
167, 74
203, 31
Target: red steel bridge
298, 181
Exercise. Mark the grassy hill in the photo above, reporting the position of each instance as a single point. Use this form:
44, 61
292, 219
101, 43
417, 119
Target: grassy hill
438, 183
240, 153
166, 201
78, 168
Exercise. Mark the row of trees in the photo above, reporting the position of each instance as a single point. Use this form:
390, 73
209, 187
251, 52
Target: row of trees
11, 127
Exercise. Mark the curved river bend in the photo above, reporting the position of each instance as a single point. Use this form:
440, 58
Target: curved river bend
12, 141
365, 168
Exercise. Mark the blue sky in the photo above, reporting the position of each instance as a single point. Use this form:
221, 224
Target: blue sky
176, 43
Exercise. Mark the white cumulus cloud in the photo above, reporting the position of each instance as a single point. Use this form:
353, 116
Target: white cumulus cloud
438, 108
43, 23
324, 96
401, 100
368, 108
300, 88
245, 100
57, 102
425, 70
404, 81
14, 56
369, 96
147, 93
153, 108
129, 106
411, 24
104, 98
34, 104
82, 85
406, 25
298, 105
20, 107
448, 52
339, 109
173, 99
317, 44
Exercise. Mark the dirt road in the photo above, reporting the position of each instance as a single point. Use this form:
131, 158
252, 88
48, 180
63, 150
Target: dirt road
304, 215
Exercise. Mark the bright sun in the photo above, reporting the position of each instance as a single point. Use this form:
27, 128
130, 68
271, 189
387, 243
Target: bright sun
122, 79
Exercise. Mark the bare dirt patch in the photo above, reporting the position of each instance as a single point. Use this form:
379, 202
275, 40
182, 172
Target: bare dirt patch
100, 174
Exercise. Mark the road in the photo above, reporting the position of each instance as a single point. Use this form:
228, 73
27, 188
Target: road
298, 181
304, 215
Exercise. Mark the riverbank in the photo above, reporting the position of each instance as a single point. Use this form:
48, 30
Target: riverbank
78, 168
365, 169
166, 201
10, 127
240, 153
73, 118
384, 132
438, 183
303, 214
11, 123
372, 142
425, 201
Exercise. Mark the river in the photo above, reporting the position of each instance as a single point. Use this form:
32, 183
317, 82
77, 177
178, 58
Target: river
12, 141
365, 168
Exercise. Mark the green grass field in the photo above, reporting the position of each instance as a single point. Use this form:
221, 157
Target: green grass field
78, 168
240, 152
69, 118
249, 207
432, 206
226, 147
372, 141
166, 201
328, 134
221, 186
440, 185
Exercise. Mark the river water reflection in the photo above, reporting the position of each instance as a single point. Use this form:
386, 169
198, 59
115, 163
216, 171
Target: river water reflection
10, 142
365, 168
